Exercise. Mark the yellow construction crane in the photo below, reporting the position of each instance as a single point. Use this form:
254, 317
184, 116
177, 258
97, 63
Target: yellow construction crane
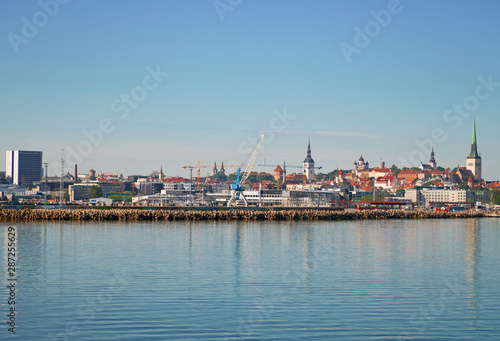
198, 167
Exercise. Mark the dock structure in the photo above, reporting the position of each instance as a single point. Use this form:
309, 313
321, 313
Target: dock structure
206, 213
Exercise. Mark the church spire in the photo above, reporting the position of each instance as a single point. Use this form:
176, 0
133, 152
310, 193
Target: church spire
432, 155
473, 148
309, 147
309, 158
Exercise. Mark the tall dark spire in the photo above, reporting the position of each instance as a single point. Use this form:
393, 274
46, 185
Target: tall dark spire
309, 157
432, 155
473, 148
309, 147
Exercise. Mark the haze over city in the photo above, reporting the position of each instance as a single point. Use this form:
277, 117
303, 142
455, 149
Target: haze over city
167, 83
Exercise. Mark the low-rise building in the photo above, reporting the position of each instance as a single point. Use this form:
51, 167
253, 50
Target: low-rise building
81, 191
424, 196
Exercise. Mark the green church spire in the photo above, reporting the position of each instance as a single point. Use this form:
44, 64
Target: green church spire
473, 148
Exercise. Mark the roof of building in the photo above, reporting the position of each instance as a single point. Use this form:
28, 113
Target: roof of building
381, 170
407, 171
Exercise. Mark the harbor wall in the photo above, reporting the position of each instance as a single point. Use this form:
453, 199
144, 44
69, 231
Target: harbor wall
233, 214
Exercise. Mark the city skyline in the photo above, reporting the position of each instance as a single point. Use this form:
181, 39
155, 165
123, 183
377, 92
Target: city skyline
169, 83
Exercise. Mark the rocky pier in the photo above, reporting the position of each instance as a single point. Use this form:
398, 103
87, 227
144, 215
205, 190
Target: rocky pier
233, 214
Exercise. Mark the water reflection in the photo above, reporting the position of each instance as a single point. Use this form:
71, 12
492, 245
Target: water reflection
473, 251
351, 280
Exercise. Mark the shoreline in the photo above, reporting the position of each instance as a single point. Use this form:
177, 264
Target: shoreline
162, 214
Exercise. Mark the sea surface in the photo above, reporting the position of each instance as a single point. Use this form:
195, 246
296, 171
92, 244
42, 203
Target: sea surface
347, 280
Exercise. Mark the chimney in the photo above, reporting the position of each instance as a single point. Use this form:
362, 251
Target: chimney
76, 173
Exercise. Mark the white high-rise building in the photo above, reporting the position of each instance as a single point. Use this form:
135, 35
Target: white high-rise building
23, 166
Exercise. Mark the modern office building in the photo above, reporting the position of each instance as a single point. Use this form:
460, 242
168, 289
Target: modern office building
23, 166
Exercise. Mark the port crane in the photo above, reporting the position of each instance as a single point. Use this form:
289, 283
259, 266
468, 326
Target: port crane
237, 188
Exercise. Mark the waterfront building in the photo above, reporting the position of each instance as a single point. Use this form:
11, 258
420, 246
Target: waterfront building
474, 159
81, 191
23, 166
308, 166
424, 196
178, 184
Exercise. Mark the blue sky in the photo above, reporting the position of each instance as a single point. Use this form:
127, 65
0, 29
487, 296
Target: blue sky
276, 66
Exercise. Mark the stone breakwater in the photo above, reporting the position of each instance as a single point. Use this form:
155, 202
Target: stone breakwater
190, 215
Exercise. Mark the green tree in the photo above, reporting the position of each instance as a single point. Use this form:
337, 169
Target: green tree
395, 169
95, 192
120, 197
221, 177
369, 197
92, 178
495, 196
464, 185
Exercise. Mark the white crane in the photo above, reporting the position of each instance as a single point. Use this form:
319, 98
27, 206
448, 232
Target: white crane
237, 187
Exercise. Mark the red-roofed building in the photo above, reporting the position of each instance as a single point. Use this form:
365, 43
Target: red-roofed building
379, 172
408, 174
278, 173
386, 182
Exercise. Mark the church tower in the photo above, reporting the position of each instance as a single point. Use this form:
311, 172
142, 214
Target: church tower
432, 160
161, 176
474, 159
308, 166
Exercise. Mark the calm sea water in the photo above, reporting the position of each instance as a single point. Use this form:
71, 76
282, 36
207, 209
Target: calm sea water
361, 280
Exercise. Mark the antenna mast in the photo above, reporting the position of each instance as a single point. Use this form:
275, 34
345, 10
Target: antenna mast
61, 182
